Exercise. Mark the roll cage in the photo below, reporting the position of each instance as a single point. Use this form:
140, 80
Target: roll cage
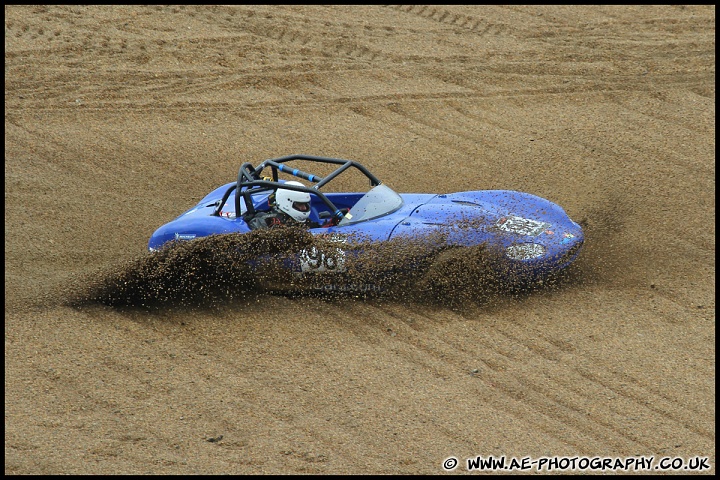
251, 182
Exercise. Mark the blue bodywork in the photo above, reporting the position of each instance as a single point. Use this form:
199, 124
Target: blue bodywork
534, 236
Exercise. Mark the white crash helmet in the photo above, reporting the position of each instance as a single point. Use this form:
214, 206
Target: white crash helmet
295, 204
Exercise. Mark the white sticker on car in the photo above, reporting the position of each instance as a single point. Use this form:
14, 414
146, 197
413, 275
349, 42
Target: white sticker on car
184, 236
521, 226
314, 260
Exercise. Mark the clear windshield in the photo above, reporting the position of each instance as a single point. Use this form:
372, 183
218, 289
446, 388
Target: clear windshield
377, 202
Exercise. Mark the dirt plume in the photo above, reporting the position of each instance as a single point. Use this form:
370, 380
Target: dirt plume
215, 270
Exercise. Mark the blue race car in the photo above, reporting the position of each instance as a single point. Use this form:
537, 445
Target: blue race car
532, 236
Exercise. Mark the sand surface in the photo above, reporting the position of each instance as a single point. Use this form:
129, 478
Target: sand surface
117, 119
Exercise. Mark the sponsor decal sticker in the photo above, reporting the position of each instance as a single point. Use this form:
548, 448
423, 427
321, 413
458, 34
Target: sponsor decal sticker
333, 237
521, 226
184, 236
525, 251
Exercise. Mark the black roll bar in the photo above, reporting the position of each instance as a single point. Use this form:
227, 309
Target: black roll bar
259, 186
274, 164
250, 179
292, 171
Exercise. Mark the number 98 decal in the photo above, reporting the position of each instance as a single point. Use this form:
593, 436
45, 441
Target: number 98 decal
314, 260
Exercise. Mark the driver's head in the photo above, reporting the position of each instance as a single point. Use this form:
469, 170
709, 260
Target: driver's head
295, 204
